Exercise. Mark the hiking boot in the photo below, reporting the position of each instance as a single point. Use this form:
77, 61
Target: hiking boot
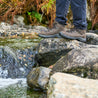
75, 34
54, 32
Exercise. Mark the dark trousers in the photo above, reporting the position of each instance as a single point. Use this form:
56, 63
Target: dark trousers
78, 8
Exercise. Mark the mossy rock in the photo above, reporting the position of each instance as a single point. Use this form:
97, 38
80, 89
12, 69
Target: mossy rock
80, 62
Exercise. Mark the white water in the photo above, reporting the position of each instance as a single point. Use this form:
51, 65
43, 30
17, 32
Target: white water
7, 82
17, 88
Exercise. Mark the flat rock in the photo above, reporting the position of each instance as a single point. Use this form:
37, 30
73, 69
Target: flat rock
82, 62
52, 49
69, 86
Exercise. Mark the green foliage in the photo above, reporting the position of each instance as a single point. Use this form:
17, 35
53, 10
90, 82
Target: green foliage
39, 11
89, 25
35, 10
49, 9
35, 15
48, 6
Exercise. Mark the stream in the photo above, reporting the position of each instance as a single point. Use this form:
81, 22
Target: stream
16, 61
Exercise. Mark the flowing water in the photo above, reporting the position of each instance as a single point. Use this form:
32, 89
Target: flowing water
17, 88
16, 60
17, 57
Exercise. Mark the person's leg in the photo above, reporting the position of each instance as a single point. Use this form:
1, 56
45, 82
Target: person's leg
79, 13
79, 20
60, 21
61, 10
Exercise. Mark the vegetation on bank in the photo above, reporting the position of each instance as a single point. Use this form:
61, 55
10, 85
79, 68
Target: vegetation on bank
39, 11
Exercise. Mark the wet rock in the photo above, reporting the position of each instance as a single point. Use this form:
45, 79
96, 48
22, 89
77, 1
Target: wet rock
8, 58
81, 62
68, 86
18, 30
16, 63
38, 78
52, 49
9, 51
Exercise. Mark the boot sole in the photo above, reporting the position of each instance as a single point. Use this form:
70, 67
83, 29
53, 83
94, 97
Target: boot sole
50, 36
73, 38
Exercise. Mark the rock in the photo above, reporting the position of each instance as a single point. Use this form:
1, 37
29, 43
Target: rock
38, 78
19, 20
9, 51
92, 38
39, 29
8, 63
81, 62
93, 31
4, 26
20, 30
69, 86
52, 49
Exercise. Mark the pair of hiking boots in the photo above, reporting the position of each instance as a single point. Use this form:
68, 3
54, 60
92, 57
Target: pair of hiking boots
59, 31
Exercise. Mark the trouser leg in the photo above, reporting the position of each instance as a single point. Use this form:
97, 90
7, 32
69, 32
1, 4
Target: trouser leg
79, 13
61, 10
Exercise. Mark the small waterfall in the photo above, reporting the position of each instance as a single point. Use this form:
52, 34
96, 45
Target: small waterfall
16, 63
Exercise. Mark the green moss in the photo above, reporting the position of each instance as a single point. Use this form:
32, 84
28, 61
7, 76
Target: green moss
34, 94
84, 72
19, 43
89, 27
19, 91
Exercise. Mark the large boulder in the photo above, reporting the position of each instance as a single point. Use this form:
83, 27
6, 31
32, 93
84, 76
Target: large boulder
69, 86
52, 49
38, 78
81, 62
